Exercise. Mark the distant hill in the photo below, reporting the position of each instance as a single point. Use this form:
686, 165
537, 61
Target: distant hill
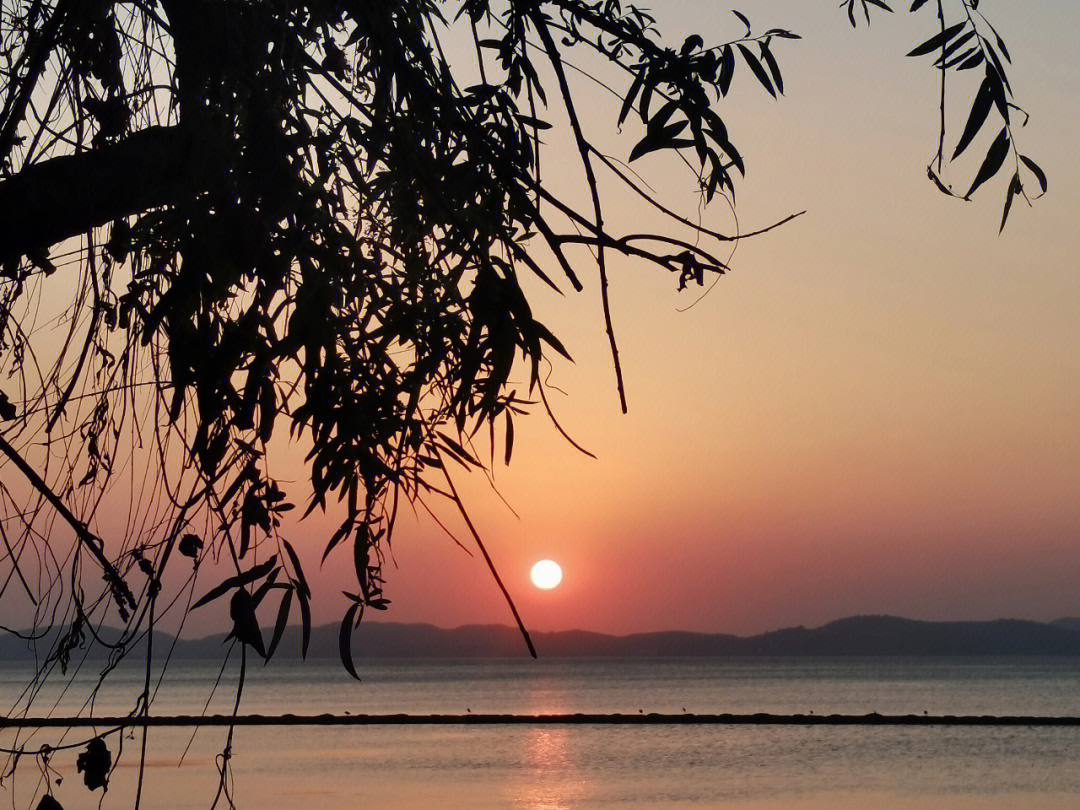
856, 636
1071, 623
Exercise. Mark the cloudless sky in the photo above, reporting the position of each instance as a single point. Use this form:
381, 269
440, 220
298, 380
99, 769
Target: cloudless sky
878, 411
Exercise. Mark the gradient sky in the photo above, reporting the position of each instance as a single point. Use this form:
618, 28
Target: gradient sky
878, 411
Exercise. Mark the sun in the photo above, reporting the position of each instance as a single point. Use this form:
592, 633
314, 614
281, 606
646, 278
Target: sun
546, 574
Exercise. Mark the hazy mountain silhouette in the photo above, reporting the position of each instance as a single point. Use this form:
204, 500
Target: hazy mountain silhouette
855, 636
1069, 623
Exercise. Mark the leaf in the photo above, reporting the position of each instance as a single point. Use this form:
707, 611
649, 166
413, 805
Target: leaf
953, 47
774, 68
980, 108
938, 39
691, 44
1001, 46
756, 67
297, 569
956, 60
646, 99
509, 438
631, 94
1014, 188
998, 66
743, 19
729, 150
1040, 175
663, 115
878, 3
246, 628
279, 625
937, 182
264, 589
94, 764
345, 638
305, 625
997, 90
727, 69
239, 581
49, 802
551, 340
917, 5
190, 545
660, 139
7, 409
995, 157
972, 61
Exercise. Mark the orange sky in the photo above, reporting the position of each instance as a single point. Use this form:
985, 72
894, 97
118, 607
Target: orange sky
877, 412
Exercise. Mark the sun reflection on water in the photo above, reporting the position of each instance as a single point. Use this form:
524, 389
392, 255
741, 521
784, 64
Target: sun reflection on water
550, 777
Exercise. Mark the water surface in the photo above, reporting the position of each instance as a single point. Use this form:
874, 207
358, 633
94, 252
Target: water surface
599, 767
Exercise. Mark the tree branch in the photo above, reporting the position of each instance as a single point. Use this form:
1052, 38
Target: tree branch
87, 538
51, 201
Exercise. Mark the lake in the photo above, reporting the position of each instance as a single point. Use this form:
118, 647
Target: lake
601, 767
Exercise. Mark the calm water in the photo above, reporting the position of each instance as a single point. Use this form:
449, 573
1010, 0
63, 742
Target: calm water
551, 768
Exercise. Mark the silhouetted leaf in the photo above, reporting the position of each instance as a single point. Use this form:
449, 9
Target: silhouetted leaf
297, 569
94, 764
631, 94
658, 139
757, 69
1014, 188
345, 638
246, 628
917, 4
995, 157
973, 61
774, 68
7, 409
980, 108
937, 182
691, 44
1035, 170
742, 19
998, 67
938, 39
49, 802
953, 47
280, 624
305, 625
238, 581
727, 69
190, 545
997, 93
879, 3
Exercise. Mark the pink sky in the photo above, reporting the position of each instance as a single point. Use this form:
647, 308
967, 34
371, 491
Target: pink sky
877, 412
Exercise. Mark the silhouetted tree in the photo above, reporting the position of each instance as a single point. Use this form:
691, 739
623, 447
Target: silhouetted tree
225, 219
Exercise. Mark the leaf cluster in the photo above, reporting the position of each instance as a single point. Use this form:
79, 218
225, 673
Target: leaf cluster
973, 44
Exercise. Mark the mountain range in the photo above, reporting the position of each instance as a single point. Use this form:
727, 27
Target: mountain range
854, 636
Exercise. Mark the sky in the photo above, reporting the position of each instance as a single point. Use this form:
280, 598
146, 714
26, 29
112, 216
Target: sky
877, 411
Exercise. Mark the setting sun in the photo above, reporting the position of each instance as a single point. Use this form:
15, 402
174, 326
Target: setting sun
546, 574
